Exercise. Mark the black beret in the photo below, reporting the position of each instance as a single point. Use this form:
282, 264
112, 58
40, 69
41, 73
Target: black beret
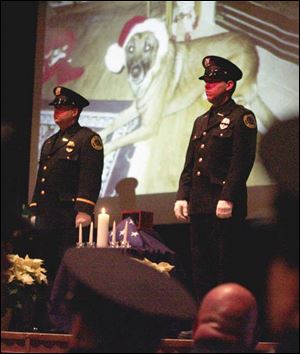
114, 276
66, 97
219, 69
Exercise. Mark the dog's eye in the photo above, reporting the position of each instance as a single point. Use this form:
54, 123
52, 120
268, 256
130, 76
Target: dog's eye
131, 49
147, 47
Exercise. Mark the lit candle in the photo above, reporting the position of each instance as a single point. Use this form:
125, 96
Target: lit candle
126, 232
102, 230
114, 233
91, 232
80, 234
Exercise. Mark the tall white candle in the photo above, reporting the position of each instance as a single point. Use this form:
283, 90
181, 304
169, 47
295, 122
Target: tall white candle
102, 230
80, 234
91, 232
114, 232
126, 232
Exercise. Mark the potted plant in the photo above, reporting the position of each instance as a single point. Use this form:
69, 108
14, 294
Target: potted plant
26, 285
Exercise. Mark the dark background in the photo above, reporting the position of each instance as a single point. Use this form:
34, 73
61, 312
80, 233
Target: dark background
18, 39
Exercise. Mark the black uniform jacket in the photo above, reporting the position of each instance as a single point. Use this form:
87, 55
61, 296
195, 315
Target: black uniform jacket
219, 159
69, 176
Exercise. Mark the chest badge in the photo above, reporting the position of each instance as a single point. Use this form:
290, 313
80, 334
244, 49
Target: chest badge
224, 123
71, 144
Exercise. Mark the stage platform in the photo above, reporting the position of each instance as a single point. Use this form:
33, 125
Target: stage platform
26, 342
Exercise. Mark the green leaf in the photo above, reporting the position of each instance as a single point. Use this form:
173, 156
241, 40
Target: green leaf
13, 292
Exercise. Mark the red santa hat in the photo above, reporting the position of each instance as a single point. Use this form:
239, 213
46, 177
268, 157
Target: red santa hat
115, 55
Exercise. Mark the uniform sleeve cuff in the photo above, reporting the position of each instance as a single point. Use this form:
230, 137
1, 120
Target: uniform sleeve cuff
85, 205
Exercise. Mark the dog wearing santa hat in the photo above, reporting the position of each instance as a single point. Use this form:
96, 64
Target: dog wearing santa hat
163, 75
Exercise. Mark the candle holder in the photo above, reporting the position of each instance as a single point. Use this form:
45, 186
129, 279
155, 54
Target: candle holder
80, 245
125, 244
113, 244
90, 245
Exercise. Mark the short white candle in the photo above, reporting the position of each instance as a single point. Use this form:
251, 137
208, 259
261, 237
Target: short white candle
80, 234
102, 230
114, 233
126, 232
91, 232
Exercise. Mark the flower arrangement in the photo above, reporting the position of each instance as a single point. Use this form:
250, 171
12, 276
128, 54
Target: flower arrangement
162, 267
25, 278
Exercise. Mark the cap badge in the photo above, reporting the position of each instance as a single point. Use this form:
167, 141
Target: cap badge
206, 62
96, 142
249, 121
224, 123
57, 91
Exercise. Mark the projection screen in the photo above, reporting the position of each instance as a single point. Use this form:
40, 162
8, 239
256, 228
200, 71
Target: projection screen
145, 113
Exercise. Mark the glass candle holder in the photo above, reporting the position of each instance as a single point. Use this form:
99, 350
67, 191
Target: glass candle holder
90, 245
125, 244
80, 245
114, 244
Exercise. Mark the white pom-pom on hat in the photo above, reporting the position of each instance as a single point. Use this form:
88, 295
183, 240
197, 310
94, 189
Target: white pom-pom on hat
115, 58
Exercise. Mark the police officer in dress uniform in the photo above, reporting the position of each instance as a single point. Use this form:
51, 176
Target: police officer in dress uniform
212, 188
68, 180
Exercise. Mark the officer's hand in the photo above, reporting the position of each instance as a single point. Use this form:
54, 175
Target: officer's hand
82, 218
32, 220
181, 210
224, 209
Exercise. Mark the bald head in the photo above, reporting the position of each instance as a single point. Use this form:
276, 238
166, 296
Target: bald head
228, 314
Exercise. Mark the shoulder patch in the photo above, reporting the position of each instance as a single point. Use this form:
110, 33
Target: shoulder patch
249, 120
96, 142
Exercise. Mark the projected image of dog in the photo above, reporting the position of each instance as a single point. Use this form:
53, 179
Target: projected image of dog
141, 51
163, 76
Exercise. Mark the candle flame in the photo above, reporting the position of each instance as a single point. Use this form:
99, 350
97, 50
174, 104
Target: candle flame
103, 211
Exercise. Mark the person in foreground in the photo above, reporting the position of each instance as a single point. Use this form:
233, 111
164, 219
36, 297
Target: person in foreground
226, 321
279, 151
121, 305
212, 190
